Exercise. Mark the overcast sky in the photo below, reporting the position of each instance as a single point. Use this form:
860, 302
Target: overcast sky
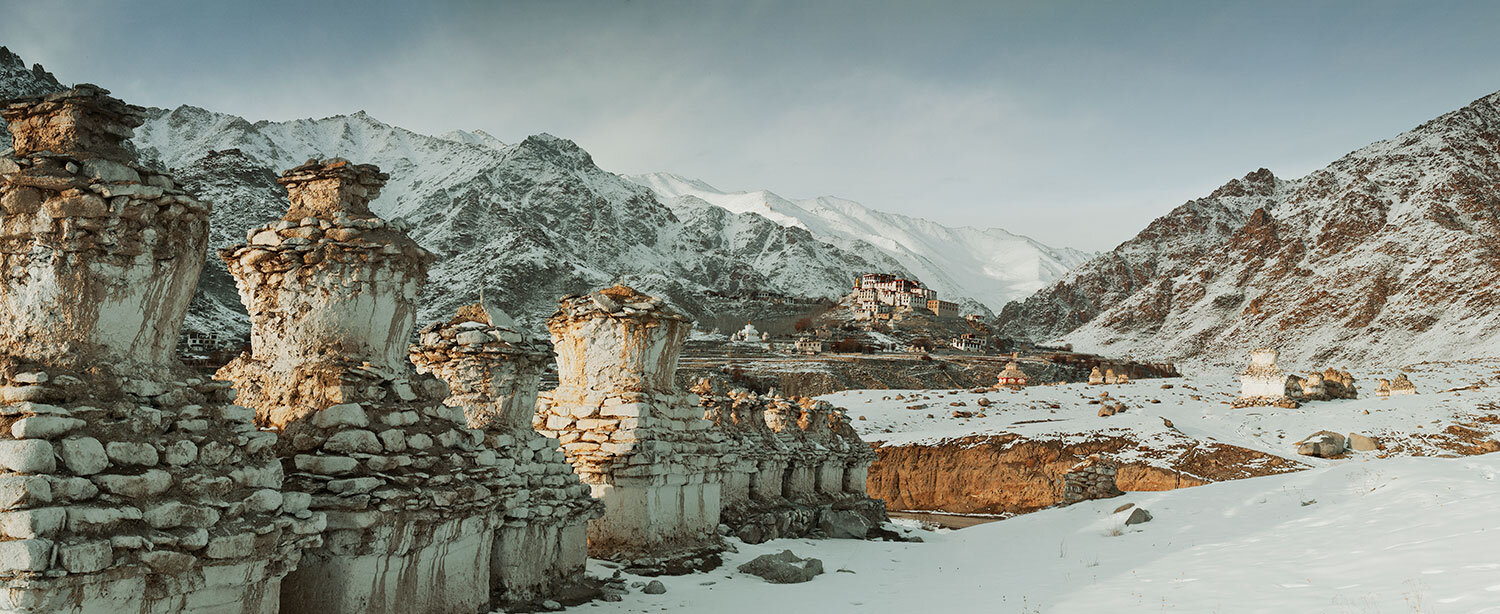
1072, 122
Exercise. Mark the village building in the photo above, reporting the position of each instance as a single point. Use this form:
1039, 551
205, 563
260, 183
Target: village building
968, 342
808, 344
942, 309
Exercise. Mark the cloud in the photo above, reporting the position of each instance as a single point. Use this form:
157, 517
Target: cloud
1072, 122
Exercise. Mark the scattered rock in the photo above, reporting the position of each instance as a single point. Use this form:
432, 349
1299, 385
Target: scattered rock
1138, 516
1322, 444
654, 587
783, 568
1361, 443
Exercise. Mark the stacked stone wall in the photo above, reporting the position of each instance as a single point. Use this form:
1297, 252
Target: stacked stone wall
419, 503
493, 374
640, 444
128, 484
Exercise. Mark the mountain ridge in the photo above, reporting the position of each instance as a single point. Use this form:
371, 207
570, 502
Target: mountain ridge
1385, 255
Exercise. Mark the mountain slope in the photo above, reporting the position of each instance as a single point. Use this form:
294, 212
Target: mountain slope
989, 265
525, 223
17, 81
1388, 255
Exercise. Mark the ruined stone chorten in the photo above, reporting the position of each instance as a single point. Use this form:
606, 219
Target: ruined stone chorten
493, 372
1401, 385
790, 477
409, 489
1092, 478
640, 444
129, 484
1096, 376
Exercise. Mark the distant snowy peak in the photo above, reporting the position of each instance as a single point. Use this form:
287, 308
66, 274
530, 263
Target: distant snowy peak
476, 137
991, 266
762, 203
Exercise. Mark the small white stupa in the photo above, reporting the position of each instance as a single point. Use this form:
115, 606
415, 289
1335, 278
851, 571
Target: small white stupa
748, 333
1263, 379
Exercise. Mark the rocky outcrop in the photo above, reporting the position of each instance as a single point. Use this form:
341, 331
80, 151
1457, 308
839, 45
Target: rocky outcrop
130, 483
1006, 473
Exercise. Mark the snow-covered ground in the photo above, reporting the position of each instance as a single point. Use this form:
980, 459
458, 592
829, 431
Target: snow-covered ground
1366, 536
1372, 532
1197, 406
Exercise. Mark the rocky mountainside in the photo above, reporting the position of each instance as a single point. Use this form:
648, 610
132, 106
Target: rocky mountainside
988, 265
522, 223
18, 80
1388, 255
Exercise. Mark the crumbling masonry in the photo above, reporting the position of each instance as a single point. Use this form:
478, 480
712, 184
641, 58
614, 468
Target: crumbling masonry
342, 480
425, 513
671, 467
129, 484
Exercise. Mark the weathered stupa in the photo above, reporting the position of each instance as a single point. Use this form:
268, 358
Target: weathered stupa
671, 467
129, 484
1012, 377
493, 372
415, 498
640, 444
796, 467
1262, 382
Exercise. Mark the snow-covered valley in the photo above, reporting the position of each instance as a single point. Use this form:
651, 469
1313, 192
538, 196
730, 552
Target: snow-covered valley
1406, 528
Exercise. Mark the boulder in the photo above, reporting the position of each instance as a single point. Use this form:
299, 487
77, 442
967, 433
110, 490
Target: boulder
843, 524
783, 568
1322, 444
1137, 516
1361, 443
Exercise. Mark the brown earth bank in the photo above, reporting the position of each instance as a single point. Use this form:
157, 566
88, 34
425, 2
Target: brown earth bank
1005, 473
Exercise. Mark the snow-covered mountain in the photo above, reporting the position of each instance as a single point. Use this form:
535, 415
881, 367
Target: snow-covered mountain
18, 80
989, 265
524, 222
1389, 255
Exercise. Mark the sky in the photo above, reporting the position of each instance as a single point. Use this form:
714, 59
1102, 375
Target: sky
1075, 123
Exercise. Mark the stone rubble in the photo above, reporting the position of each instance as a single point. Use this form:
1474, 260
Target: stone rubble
1093, 478
130, 484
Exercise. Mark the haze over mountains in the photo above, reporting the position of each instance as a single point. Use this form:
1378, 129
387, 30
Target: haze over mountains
531, 221
990, 265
